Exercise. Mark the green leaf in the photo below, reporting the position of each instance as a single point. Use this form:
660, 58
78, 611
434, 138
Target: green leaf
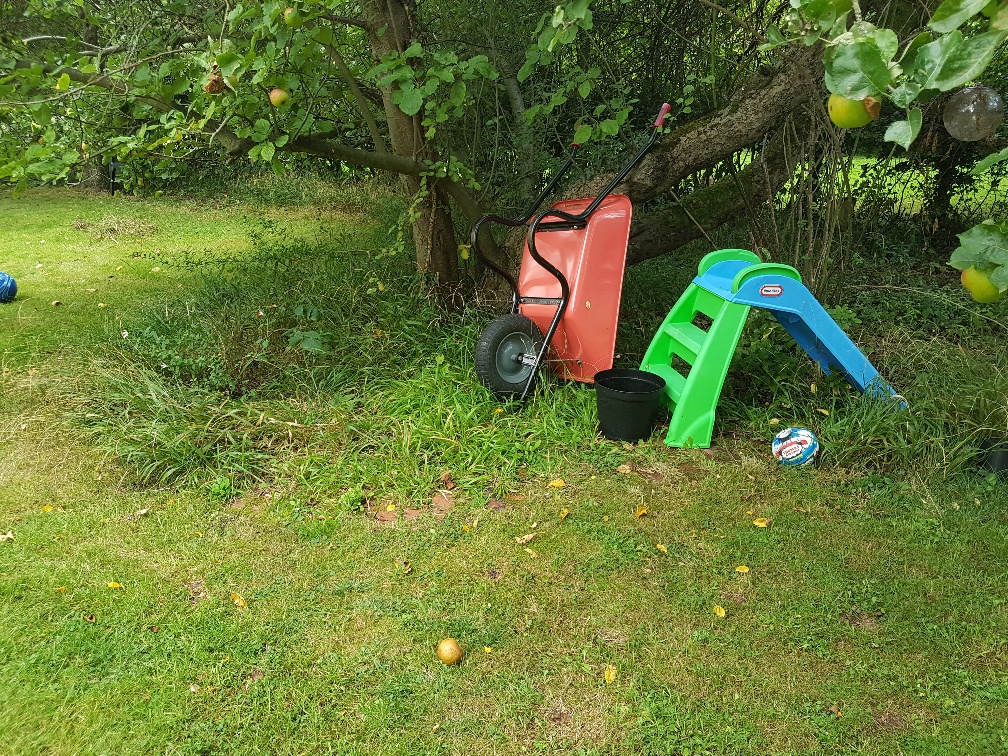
546, 39
323, 35
458, 92
267, 151
983, 246
310, 341
42, 115
962, 258
609, 127
583, 134
886, 41
1000, 20
63, 83
415, 50
952, 14
531, 59
999, 277
951, 61
905, 93
229, 62
577, 9
968, 60
410, 100
584, 89
856, 71
903, 133
915, 44
989, 161
260, 131
775, 38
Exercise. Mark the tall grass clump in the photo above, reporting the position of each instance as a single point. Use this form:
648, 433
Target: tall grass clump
323, 360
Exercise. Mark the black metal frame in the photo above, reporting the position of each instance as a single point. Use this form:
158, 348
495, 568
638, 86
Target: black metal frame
567, 221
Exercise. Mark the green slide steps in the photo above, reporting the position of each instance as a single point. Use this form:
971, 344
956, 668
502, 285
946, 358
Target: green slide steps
693, 381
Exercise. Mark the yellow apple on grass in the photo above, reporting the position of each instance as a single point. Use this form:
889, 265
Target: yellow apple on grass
449, 651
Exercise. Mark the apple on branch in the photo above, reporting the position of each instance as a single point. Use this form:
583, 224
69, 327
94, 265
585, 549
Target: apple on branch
279, 97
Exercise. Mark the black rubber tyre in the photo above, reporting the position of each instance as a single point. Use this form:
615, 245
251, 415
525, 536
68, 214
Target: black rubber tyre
498, 352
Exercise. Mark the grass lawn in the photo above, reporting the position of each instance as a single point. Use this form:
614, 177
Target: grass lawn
227, 540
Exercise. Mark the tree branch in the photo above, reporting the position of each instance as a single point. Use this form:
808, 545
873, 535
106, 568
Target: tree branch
57, 38
232, 143
350, 21
703, 210
758, 108
743, 24
382, 161
362, 104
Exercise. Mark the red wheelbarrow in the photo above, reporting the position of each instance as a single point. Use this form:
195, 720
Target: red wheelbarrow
567, 297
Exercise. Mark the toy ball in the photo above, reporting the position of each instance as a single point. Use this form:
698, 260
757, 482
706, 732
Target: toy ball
795, 446
8, 288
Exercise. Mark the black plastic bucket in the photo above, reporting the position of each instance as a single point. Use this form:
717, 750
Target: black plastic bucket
627, 403
994, 457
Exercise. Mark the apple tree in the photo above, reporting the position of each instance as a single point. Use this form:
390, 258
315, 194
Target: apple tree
470, 107
870, 64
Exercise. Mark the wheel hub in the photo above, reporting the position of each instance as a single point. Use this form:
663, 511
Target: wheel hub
515, 357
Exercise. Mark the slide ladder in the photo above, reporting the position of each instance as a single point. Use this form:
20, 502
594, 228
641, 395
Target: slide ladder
692, 349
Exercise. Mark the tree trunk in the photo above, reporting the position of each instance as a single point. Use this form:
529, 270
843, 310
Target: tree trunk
433, 230
703, 210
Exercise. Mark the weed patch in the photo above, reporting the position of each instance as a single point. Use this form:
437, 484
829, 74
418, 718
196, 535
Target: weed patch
114, 227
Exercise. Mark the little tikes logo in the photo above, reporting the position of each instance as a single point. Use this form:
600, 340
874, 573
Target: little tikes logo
771, 290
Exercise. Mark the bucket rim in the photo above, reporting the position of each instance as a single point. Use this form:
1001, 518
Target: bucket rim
655, 381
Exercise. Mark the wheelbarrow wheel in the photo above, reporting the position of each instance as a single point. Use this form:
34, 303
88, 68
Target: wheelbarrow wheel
503, 351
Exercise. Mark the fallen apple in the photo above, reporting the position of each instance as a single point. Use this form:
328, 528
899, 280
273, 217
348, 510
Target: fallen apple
278, 97
978, 284
449, 651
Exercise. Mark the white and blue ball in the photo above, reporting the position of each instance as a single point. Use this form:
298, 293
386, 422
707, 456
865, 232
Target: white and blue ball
8, 288
795, 446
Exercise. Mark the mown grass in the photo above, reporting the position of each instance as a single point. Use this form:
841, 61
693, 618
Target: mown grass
873, 617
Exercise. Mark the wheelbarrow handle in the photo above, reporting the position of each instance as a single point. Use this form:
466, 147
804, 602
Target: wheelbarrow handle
665, 108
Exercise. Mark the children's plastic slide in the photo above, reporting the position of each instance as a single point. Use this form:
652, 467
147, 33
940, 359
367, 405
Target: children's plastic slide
694, 359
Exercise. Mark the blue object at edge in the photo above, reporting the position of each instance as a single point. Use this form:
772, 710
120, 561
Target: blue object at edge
8, 288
